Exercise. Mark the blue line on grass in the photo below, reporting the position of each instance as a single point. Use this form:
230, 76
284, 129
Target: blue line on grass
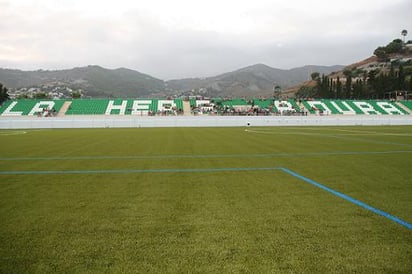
127, 171
194, 170
349, 199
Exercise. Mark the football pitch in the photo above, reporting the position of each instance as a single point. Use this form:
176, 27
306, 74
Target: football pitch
207, 200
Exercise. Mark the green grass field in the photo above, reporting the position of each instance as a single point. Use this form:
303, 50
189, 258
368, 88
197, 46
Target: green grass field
179, 200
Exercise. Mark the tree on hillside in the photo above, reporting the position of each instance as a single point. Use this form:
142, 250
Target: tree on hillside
348, 83
391, 78
360, 84
410, 83
76, 94
371, 80
358, 89
306, 92
277, 90
395, 46
380, 52
323, 87
338, 88
314, 75
3, 93
400, 83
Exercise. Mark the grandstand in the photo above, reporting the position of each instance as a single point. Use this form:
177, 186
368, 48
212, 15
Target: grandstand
352, 107
219, 106
406, 105
84, 107
28, 107
79, 113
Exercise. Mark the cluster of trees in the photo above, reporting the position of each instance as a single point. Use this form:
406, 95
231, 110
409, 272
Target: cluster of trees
39, 95
3, 93
358, 84
396, 46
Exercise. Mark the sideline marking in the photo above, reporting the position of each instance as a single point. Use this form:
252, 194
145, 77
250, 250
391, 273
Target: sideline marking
359, 132
205, 156
337, 136
348, 198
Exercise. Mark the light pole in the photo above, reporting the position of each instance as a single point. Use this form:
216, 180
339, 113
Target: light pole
404, 33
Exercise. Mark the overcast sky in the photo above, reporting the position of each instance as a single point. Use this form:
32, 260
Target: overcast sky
187, 38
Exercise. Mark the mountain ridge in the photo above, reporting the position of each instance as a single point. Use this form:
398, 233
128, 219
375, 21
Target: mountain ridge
96, 81
259, 78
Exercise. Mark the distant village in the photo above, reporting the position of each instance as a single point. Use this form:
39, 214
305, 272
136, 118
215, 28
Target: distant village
54, 90
63, 91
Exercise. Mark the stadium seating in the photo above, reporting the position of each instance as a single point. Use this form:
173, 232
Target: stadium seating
179, 104
87, 106
385, 107
263, 103
218, 105
407, 104
361, 107
192, 102
31, 107
295, 105
234, 102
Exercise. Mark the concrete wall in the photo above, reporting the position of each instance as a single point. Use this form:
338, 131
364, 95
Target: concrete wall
198, 121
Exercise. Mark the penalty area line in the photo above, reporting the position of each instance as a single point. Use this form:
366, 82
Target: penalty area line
348, 198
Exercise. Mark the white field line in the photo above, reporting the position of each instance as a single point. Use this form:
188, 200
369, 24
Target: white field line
12, 132
354, 133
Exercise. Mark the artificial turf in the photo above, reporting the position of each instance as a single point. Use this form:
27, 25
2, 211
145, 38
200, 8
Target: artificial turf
175, 200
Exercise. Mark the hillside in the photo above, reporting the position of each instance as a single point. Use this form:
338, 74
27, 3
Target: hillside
369, 78
95, 81
253, 80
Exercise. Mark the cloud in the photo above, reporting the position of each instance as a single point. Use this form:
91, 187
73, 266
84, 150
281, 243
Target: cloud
182, 38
